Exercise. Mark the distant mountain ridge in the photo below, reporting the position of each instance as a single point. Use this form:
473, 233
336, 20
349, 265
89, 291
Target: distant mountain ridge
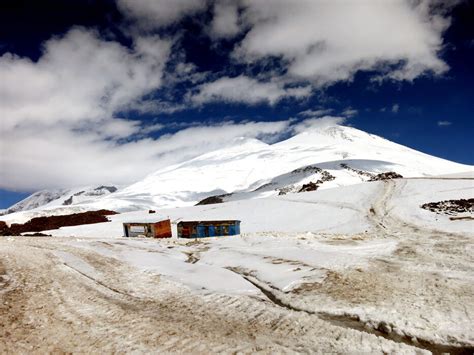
60, 197
328, 157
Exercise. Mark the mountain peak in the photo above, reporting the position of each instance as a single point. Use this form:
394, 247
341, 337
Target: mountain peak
327, 135
249, 168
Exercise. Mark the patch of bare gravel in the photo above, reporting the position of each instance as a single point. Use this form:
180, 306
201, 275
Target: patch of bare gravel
53, 307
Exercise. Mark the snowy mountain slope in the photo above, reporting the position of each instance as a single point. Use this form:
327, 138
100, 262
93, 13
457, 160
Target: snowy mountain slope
35, 200
345, 210
290, 213
250, 164
335, 156
46, 199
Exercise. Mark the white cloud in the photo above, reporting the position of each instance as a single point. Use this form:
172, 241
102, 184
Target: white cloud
34, 159
59, 127
225, 22
79, 77
349, 112
318, 123
246, 90
59, 124
58, 112
395, 108
444, 123
316, 113
329, 41
192, 141
150, 14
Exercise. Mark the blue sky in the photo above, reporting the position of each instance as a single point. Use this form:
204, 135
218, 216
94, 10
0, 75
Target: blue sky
99, 92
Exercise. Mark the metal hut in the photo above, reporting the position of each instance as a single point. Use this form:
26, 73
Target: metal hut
203, 229
161, 229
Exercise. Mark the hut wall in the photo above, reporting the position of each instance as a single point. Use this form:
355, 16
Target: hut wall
137, 229
203, 229
163, 229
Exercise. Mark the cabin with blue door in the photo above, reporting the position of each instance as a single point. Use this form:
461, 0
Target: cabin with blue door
204, 229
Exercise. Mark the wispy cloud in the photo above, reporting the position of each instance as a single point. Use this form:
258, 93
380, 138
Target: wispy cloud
444, 123
152, 14
242, 89
395, 108
316, 113
37, 157
349, 112
318, 123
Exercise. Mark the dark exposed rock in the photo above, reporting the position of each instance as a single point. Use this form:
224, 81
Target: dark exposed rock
310, 186
36, 234
4, 230
326, 176
110, 189
386, 176
313, 186
450, 207
151, 211
54, 222
373, 177
358, 171
307, 169
210, 200
68, 201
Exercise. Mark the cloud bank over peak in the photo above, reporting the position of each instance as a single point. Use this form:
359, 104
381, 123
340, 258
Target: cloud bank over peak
316, 123
35, 159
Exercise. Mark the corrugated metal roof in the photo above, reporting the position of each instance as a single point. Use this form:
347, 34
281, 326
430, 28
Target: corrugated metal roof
212, 221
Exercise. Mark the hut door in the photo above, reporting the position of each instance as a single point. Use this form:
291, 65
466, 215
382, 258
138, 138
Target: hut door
211, 231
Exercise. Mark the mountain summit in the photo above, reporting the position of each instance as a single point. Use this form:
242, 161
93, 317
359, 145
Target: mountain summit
326, 157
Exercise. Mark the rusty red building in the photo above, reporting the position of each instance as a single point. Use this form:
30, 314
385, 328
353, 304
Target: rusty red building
160, 229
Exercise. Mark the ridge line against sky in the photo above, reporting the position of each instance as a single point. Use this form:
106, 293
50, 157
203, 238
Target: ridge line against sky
92, 92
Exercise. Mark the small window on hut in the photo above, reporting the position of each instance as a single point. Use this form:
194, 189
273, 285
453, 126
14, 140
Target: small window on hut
137, 229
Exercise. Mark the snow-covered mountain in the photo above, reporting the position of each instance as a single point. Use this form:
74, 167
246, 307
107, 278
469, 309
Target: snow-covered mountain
327, 157
38, 199
252, 169
60, 197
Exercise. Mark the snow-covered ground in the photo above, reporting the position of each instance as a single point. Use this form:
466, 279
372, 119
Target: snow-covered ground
358, 268
330, 211
355, 266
